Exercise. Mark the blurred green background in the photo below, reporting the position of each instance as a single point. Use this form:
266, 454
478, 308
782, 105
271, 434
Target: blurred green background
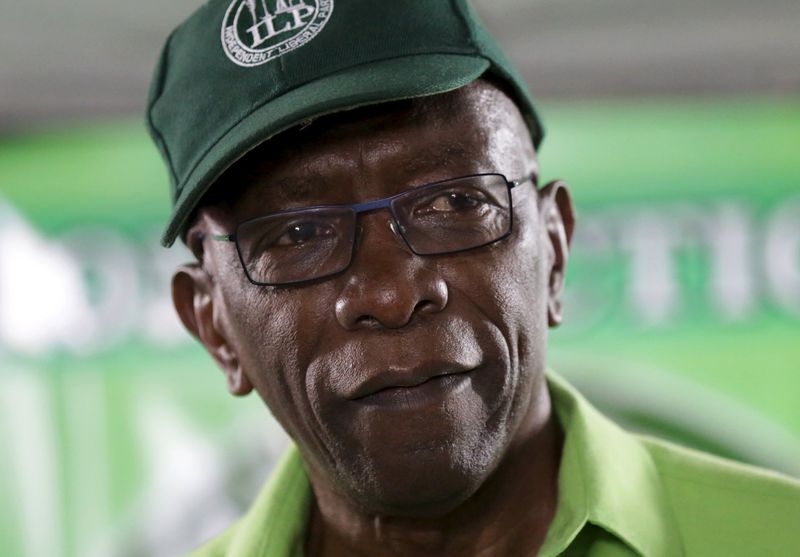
678, 134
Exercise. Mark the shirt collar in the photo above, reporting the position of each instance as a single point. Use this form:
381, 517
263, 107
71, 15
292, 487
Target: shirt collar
276, 522
607, 478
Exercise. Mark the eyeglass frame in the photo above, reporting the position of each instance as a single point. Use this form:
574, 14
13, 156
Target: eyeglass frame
374, 205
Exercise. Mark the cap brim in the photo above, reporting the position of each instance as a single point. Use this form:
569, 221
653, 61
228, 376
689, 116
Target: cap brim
377, 82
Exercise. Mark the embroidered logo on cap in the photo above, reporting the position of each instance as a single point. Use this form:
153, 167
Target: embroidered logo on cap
257, 31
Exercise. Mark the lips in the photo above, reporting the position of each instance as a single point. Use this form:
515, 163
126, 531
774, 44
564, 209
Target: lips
404, 383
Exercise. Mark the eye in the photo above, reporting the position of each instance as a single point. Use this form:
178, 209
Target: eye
455, 202
301, 233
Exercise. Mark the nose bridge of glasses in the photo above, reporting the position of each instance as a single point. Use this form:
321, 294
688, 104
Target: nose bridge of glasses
374, 206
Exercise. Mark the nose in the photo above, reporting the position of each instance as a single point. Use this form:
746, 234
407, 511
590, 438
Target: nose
387, 285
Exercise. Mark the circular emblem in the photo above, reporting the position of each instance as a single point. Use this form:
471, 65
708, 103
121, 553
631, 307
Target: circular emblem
257, 31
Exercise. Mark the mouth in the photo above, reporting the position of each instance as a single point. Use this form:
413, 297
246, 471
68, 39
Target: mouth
414, 387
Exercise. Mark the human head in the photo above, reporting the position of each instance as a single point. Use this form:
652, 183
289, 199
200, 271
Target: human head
310, 350
475, 323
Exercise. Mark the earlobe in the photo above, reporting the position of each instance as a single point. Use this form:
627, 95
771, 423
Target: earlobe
238, 382
193, 300
558, 216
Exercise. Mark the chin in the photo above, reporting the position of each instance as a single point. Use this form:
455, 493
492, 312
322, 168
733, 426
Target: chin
429, 482
425, 502
420, 508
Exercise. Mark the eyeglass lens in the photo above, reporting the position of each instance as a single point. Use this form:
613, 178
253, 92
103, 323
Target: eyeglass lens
445, 217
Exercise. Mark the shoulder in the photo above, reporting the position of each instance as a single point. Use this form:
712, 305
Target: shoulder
681, 468
727, 508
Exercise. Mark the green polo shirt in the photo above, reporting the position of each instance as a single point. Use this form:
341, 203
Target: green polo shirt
619, 495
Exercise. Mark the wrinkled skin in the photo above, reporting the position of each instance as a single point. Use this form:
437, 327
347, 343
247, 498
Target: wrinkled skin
467, 470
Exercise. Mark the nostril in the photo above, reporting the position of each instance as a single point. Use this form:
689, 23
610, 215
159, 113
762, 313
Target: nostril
425, 306
367, 321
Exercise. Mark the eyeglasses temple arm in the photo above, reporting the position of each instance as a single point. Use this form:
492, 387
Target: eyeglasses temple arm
532, 177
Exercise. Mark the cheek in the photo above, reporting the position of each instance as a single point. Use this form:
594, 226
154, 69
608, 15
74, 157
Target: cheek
509, 282
525, 297
274, 331
507, 285
527, 272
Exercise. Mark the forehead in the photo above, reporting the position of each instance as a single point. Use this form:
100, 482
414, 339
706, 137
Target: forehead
432, 137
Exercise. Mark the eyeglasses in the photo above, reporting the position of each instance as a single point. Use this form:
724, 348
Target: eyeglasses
299, 245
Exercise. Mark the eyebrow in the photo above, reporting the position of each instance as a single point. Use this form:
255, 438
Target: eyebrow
296, 189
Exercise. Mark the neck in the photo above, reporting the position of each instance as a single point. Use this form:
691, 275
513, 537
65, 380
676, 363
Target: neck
512, 509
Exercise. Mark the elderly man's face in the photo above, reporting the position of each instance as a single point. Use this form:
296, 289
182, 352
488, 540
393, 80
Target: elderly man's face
404, 379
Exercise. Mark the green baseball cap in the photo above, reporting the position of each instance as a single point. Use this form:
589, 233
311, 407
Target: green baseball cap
238, 72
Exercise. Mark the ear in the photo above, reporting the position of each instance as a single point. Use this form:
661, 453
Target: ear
558, 216
192, 296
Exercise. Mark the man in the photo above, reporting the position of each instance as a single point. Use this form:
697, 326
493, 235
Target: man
376, 259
